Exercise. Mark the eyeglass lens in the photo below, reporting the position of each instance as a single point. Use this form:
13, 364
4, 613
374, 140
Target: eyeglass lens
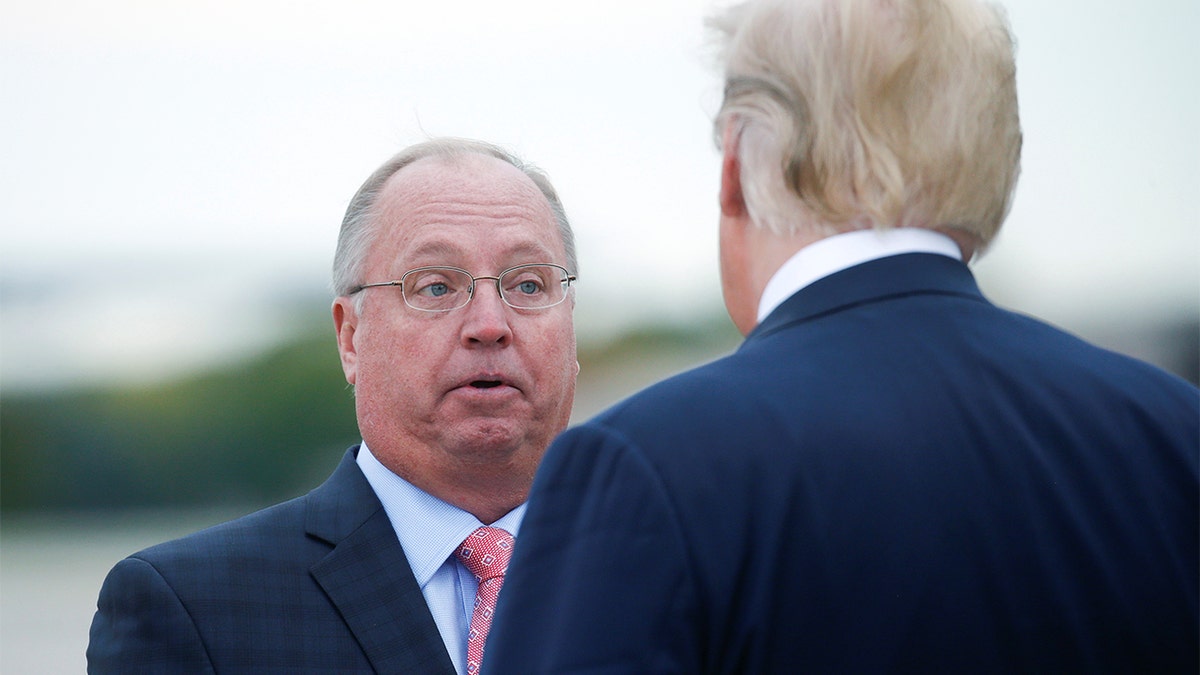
440, 289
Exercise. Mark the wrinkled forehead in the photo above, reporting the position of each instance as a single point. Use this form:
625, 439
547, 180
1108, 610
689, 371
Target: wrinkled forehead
442, 247
455, 210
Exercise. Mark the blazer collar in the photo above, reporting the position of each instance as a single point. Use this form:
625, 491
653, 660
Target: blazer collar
368, 578
878, 279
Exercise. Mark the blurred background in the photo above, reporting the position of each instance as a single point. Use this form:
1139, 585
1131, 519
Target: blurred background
175, 172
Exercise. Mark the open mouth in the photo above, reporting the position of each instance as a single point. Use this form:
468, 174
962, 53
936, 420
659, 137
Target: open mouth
486, 384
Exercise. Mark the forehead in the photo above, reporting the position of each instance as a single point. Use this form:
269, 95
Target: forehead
462, 210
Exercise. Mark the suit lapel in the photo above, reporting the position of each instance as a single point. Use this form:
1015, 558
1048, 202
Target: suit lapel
893, 276
368, 578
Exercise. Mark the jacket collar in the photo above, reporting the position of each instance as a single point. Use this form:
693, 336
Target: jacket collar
368, 578
893, 276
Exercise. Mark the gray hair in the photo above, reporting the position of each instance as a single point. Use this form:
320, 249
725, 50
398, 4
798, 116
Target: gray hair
359, 224
872, 113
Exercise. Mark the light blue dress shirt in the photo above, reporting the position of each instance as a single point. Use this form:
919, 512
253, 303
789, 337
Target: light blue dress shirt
429, 530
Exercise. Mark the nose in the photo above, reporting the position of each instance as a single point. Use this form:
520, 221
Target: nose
485, 319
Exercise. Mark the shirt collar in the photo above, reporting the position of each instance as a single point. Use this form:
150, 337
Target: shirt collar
841, 251
428, 528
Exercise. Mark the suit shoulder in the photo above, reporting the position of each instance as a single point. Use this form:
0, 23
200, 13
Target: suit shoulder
705, 393
244, 534
704, 385
1103, 367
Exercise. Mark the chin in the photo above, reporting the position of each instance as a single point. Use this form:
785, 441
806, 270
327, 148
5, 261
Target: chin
490, 436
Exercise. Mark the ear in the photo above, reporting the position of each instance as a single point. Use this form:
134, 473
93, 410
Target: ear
345, 322
733, 202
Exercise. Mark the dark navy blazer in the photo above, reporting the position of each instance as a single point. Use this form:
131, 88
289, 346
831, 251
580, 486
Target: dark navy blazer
318, 584
891, 474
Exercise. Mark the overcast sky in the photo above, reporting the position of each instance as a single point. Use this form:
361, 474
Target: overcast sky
164, 161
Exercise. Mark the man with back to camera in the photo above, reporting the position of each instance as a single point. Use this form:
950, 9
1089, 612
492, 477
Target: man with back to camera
454, 325
890, 474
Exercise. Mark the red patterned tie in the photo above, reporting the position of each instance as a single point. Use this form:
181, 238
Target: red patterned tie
485, 553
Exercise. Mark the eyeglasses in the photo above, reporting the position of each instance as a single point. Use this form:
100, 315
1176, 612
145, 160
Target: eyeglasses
444, 289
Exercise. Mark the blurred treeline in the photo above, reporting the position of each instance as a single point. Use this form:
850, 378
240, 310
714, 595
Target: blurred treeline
253, 432
241, 433
274, 426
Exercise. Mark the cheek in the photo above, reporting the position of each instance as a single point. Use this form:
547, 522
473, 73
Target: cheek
726, 254
556, 356
395, 359
735, 286
730, 268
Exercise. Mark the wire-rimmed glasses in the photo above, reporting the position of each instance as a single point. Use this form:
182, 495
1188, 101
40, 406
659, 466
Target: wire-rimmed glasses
444, 289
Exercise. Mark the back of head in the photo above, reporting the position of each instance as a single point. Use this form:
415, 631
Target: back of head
358, 225
872, 113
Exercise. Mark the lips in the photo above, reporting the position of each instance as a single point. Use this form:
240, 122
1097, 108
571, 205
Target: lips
484, 381
487, 390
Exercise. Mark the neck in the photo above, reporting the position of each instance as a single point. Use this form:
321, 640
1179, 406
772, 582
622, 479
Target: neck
486, 485
488, 499
767, 253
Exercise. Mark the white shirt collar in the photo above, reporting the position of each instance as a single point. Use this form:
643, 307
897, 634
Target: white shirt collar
429, 529
841, 251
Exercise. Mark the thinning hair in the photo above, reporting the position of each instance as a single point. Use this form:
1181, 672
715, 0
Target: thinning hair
872, 113
360, 224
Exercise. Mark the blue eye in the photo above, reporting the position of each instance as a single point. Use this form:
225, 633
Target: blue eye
436, 289
442, 289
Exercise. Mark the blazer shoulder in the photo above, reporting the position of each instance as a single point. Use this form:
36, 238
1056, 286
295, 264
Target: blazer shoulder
134, 596
326, 514
273, 522
690, 396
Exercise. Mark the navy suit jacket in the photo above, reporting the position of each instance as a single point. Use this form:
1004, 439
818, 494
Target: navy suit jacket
890, 474
318, 584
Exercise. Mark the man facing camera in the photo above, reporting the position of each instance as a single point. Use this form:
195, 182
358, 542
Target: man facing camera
454, 324
891, 474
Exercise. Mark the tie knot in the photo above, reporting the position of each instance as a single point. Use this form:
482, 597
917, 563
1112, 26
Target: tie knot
485, 552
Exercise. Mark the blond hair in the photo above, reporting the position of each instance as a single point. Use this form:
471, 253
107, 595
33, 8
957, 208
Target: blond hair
872, 113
